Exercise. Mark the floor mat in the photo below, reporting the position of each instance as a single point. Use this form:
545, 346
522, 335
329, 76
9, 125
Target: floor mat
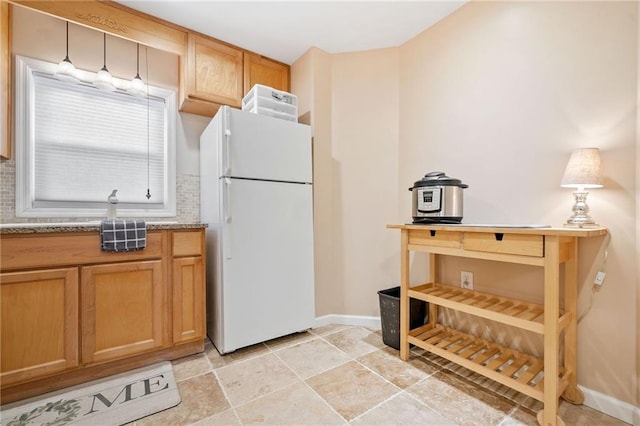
112, 400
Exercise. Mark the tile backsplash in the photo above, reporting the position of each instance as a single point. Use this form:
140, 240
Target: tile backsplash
187, 199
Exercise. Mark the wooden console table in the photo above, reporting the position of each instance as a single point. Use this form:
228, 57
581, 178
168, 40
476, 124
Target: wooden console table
546, 379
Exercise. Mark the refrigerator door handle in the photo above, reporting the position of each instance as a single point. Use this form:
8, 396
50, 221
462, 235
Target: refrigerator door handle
226, 124
227, 155
226, 201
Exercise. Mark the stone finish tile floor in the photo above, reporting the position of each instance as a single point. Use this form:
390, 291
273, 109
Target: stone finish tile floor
341, 375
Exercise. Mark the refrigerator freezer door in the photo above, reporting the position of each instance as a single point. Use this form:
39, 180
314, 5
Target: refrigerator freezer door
267, 261
261, 147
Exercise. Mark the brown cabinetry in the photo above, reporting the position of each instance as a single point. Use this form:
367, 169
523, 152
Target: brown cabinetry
188, 291
188, 299
215, 74
260, 70
212, 76
39, 323
72, 313
124, 308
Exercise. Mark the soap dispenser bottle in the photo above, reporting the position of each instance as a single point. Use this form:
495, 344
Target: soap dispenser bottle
112, 204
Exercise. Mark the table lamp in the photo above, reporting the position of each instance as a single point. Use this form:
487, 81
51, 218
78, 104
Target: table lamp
582, 172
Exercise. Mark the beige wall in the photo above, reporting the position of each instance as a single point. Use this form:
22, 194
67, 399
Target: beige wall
311, 81
637, 413
497, 94
365, 157
352, 100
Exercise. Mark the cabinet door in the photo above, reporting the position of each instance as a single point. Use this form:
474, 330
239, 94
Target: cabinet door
259, 70
214, 71
124, 309
38, 323
188, 299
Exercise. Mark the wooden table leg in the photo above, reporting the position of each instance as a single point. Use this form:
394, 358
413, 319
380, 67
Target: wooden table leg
572, 393
433, 275
404, 298
551, 337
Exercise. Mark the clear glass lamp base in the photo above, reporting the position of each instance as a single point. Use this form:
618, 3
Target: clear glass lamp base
581, 218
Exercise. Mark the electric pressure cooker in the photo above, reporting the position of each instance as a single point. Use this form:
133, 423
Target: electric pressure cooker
437, 198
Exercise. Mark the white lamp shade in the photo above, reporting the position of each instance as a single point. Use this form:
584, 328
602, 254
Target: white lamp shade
137, 87
583, 169
66, 71
104, 80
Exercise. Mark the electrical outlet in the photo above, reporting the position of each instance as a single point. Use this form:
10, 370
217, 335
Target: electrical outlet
466, 280
599, 278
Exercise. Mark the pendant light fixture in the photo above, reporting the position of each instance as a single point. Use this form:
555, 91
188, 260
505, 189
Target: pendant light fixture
137, 87
66, 70
104, 79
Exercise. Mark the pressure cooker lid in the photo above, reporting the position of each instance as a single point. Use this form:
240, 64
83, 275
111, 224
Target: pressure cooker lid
438, 178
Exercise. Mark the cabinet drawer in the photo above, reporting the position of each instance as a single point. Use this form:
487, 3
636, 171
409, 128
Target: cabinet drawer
186, 243
436, 238
44, 250
521, 244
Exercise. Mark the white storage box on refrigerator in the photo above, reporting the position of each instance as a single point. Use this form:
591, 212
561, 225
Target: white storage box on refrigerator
266, 100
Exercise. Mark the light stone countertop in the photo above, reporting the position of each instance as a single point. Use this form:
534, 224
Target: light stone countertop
89, 226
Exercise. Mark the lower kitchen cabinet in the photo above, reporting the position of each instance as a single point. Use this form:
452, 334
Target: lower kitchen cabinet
71, 313
39, 323
188, 299
124, 308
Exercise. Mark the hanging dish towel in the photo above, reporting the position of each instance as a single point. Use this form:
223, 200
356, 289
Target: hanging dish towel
123, 235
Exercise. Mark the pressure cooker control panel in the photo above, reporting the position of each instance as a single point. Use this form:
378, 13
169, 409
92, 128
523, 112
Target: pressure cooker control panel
429, 200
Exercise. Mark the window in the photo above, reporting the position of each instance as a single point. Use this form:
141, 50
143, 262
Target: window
76, 143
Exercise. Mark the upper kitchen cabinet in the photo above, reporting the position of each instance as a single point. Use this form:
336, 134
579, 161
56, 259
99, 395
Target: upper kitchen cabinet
260, 70
215, 74
212, 76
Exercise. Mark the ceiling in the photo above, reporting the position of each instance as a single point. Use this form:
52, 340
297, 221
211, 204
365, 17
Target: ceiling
285, 30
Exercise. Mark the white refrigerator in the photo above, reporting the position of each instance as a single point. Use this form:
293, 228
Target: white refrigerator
256, 198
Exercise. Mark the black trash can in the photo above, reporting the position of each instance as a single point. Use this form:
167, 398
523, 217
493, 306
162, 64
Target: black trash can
390, 315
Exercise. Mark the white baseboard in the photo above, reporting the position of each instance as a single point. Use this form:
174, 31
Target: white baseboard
614, 407
357, 320
598, 401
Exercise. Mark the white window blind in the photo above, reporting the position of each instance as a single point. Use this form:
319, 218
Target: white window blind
83, 142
